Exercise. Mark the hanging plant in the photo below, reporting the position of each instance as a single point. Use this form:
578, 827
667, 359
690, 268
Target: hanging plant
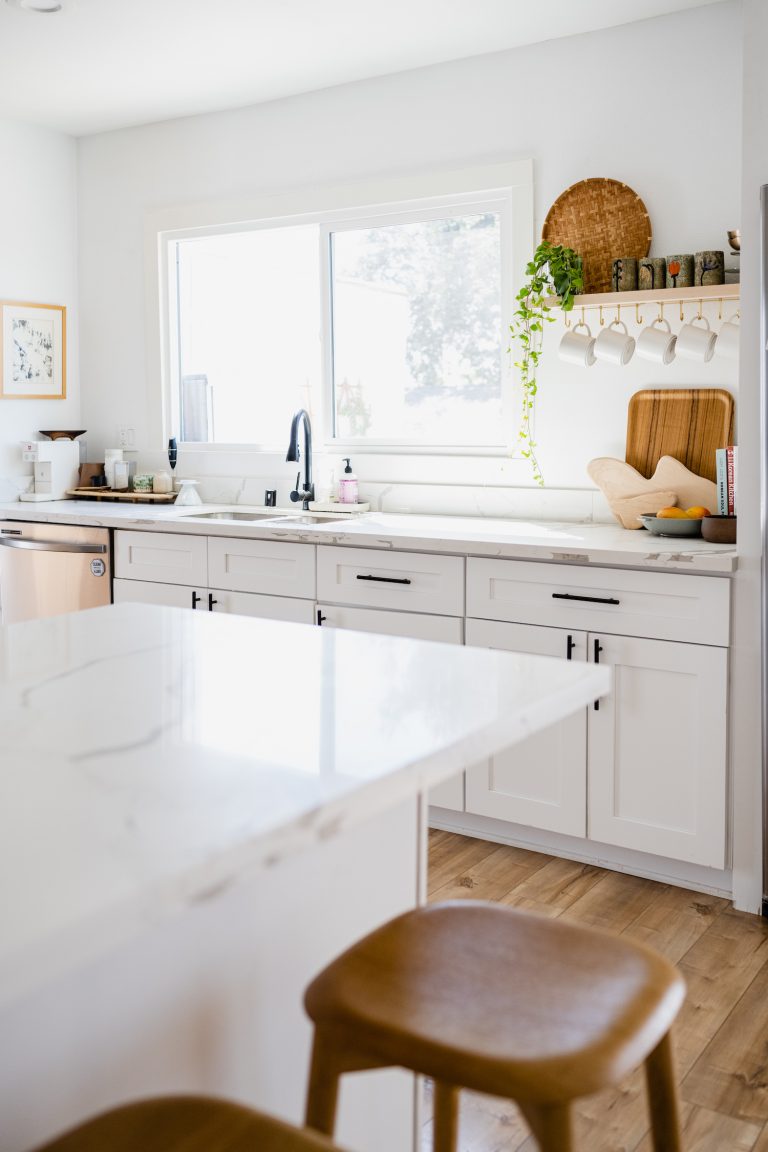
557, 271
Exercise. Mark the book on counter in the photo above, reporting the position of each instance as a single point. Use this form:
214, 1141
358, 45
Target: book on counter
726, 467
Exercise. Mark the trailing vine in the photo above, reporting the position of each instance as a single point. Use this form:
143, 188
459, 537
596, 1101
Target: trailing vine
554, 270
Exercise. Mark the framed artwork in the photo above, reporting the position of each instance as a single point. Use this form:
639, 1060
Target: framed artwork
33, 351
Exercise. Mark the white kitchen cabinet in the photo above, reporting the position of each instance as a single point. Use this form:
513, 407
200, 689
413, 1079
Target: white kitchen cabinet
161, 557
147, 592
264, 578
542, 781
655, 749
449, 629
213, 600
382, 592
404, 581
267, 567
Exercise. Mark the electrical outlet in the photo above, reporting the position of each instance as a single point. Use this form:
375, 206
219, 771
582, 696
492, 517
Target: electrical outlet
126, 436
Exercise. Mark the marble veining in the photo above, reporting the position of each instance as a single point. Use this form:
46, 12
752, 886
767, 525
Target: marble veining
152, 756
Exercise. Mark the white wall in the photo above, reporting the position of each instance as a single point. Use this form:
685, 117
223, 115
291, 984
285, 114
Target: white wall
655, 104
38, 263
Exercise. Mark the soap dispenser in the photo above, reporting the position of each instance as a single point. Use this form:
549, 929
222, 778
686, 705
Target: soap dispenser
348, 485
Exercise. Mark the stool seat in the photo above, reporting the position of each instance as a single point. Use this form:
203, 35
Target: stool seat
187, 1124
485, 997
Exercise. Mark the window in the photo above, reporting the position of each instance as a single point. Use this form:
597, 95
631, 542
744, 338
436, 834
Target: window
389, 323
416, 327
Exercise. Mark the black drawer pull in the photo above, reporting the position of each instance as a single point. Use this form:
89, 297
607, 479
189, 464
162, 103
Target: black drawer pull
320, 618
598, 650
195, 599
589, 599
211, 601
569, 648
386, 579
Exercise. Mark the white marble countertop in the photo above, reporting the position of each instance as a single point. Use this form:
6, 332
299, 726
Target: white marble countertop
152, 755
607, 544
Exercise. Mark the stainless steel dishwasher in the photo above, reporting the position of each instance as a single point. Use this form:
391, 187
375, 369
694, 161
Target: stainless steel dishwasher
46, 569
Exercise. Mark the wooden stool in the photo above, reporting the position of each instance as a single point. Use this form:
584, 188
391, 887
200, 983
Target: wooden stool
484, 997
187, 1124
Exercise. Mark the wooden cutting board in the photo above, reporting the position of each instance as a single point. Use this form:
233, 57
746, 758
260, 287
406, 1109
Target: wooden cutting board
687, 423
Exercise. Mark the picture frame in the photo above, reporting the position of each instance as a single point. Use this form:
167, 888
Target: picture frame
33, 351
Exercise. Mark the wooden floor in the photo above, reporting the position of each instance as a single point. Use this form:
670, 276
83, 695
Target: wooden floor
721, 1036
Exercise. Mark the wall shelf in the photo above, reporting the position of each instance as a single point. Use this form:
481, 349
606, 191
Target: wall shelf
707, 293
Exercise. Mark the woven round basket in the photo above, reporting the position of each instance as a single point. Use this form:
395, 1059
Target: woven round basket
601, 219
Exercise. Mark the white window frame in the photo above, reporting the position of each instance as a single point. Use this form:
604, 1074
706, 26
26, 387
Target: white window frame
506, 188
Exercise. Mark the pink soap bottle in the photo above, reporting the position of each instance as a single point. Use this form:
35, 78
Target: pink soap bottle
348, 485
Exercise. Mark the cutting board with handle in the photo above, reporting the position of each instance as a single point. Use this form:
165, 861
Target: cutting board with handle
687, 423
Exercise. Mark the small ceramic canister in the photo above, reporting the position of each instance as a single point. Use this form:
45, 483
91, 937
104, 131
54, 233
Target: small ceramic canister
624, 274
614, 345
578, 347
696, 341
709, 268
680, 271
657, 344
651, 273
728, 338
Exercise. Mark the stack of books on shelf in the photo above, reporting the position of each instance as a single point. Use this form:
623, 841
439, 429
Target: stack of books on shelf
727, 477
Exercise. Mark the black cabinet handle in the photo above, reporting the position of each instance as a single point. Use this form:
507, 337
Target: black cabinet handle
588, 599
211, 601
320, 618
598, 650
386, 579
569, 647
195, 599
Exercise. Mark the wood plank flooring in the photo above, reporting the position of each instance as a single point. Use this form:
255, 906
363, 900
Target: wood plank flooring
721, 1035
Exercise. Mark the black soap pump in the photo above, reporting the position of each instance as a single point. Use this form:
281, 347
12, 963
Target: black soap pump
348, 484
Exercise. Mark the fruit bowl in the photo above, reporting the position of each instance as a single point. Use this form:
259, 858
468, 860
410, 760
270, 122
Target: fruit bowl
668, 526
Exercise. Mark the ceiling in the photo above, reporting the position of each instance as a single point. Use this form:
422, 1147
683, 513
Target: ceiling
104, 64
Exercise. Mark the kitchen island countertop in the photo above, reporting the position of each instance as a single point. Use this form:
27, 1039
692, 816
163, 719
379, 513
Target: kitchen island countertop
196, 813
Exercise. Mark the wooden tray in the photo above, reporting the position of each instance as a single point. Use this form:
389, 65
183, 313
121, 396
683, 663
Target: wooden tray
134, 497
601, 219
687, 423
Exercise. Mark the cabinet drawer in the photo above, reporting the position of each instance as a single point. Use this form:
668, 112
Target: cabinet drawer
407, 581
265, 566
664, 605
164, 558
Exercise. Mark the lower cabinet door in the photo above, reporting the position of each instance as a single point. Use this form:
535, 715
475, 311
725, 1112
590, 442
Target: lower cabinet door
449, 629
542, 781
657, 762
268, 607
147, 592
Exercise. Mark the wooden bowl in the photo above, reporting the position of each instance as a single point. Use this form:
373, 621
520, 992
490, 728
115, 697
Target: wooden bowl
719, 529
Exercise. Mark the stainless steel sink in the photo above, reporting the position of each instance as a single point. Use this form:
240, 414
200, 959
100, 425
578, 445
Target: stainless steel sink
232, 516
308, 518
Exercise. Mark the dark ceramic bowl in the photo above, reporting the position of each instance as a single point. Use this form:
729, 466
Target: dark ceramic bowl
672, 526
719, 529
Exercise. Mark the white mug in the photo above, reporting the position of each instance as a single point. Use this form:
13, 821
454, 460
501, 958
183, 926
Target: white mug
695, 343
613, 346
657, 344
578, 347
728, 339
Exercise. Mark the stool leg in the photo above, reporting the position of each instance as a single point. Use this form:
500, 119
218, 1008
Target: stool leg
445, 1117
323, 1088
551, 1125
662, 1098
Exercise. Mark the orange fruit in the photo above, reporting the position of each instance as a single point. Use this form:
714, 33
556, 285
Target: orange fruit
672, 514
697, 511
